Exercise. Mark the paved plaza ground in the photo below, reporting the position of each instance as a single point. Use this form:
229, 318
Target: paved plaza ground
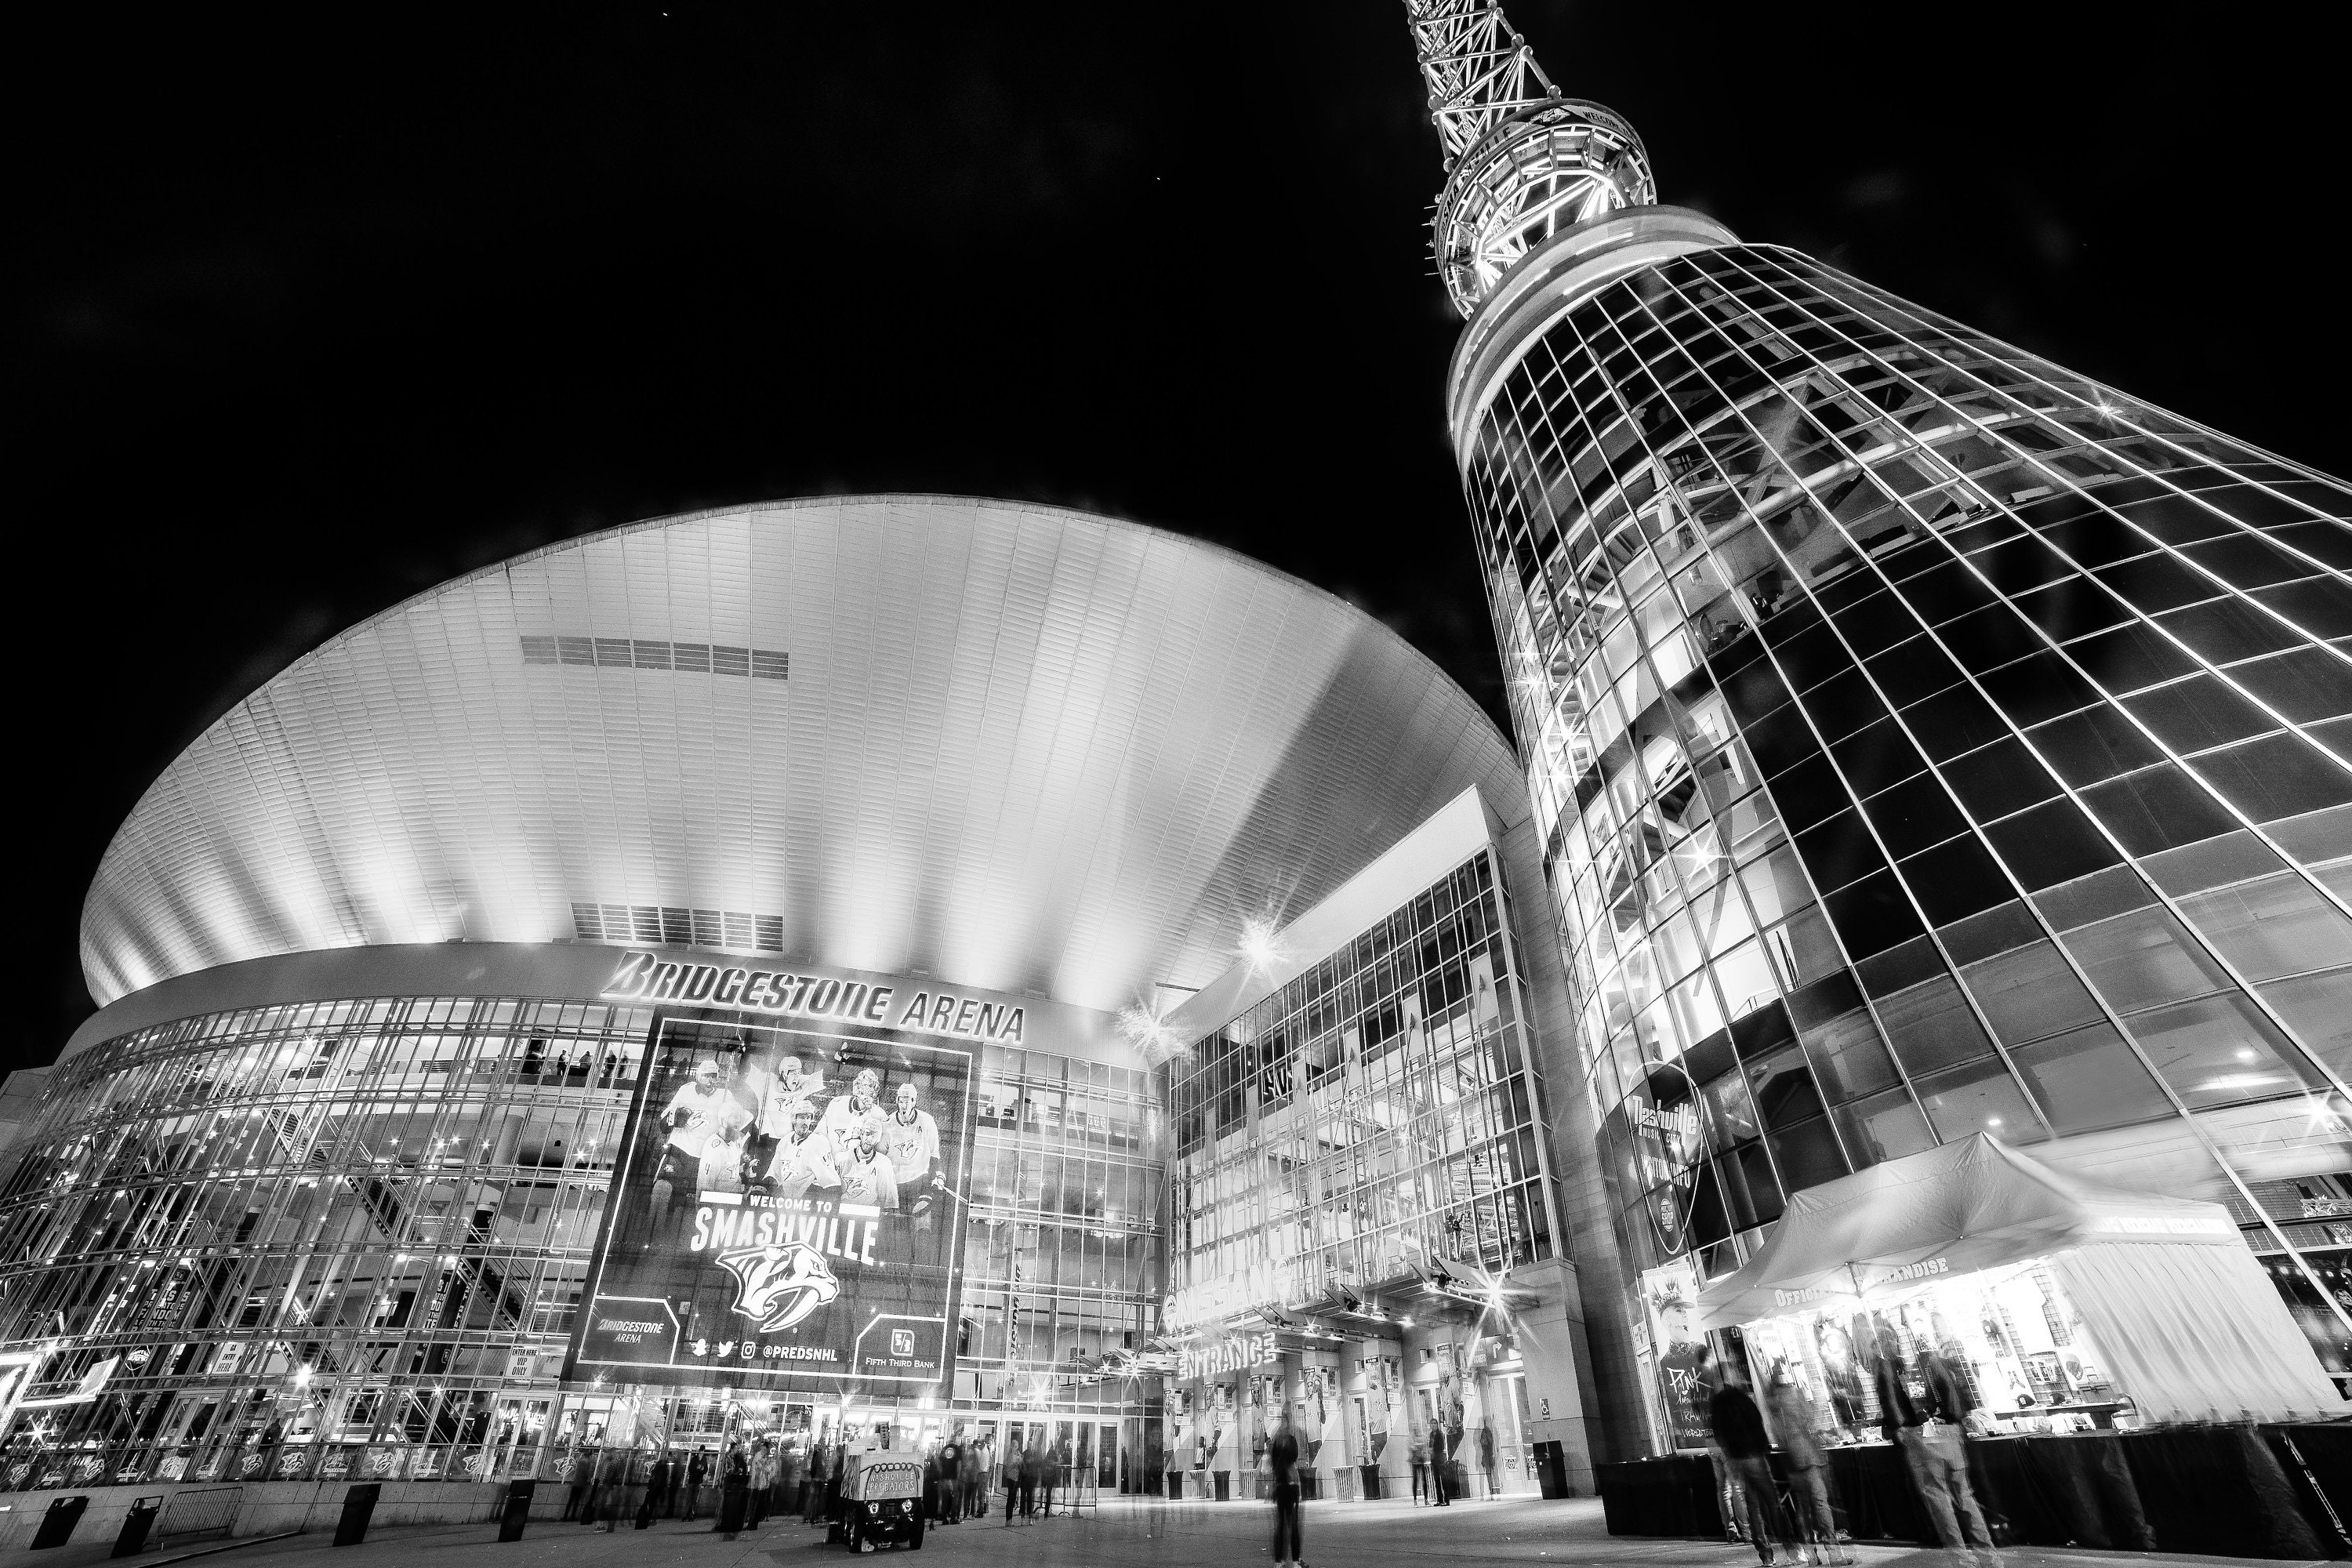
1148, 1534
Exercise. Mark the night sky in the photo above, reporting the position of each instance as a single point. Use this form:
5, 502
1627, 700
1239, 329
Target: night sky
310, 314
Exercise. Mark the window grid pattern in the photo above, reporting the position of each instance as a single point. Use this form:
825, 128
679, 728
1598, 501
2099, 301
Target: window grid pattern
1880, 683
652, 653
1062, 1260
398, 1194
402, 1196
1375, 1115
655, 924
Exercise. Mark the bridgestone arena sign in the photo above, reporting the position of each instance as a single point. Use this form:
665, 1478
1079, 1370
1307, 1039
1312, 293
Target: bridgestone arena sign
649, 977
787, 1204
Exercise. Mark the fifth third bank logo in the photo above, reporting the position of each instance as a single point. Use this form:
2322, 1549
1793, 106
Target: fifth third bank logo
902, 1341
776, 1286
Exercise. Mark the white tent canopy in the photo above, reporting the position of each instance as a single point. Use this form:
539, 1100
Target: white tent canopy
1954, 1209
2191, 1327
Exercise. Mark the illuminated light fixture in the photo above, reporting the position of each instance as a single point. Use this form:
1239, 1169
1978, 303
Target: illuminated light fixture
2243, 1081
1148, 1033
1258, 948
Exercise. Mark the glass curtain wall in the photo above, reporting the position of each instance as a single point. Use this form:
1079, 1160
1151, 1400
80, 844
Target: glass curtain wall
1926, 740
1062, 1264
335, 1239
1374, 1116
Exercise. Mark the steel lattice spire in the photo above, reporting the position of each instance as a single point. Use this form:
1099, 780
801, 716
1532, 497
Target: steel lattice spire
1521, 161
1479, 70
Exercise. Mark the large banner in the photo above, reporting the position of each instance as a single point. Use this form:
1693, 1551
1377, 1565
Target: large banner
789, 1209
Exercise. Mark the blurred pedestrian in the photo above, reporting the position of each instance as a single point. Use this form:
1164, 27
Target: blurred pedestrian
1282, 1462
791, 1468
1800, 1450
761, 1495
1922, 1408
972, 1471
575, 1477
1739, 1433
822, 1463
946, 1506
1011, 1478
698, 1470
661, 1487
1033, 1474
734, 1492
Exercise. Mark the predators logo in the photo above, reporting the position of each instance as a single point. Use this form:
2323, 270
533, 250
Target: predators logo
776, 1286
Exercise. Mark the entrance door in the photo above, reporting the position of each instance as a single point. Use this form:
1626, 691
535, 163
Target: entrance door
1106, 1469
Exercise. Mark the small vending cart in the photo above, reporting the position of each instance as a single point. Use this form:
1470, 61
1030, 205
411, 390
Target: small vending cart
882, 1501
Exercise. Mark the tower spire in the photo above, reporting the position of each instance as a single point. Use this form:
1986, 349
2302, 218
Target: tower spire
1521, 161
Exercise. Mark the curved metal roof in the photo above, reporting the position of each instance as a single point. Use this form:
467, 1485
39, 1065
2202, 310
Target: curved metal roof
1017, 748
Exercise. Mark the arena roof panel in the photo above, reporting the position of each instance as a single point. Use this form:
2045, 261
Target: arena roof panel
1016, 747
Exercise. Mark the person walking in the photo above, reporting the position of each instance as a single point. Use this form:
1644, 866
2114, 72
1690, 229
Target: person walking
1486, 1456
1015, 1461
1033, 1472
1420, 1469
1441, 1491
947, 1506
971, 1478
821, 1470
734, 1493
698, 1470
763, 1486
1739, 1429
575, 1477
661, 1483
1282, 1465
1057, 1464
1801, 1451
1922, 1407
791, 1466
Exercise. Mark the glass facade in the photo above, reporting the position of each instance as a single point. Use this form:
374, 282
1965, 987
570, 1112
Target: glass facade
1374, 1116
1926, 739
1062, 1267
348, 1235
1360, 1158
349, 1239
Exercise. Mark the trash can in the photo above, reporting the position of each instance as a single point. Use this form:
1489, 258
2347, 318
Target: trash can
359, 1503
517, 1512
1371, 1481
1224, 1486
136, 1524
57, 1523
1551, 1470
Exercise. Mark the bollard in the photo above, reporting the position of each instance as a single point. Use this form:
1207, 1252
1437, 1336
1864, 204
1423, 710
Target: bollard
516, 1512
136, 1524
359, 1503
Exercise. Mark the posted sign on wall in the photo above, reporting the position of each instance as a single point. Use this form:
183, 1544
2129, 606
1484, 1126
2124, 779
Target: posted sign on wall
788, 1205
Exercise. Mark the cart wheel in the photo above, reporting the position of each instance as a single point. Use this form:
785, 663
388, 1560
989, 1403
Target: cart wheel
914, 1541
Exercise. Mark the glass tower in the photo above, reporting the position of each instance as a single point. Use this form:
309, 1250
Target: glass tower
1924, 739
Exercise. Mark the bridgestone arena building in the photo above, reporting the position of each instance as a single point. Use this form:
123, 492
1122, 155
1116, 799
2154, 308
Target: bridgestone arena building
888, 965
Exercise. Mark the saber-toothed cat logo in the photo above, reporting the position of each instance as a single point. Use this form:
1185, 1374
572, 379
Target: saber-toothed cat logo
776, 1286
